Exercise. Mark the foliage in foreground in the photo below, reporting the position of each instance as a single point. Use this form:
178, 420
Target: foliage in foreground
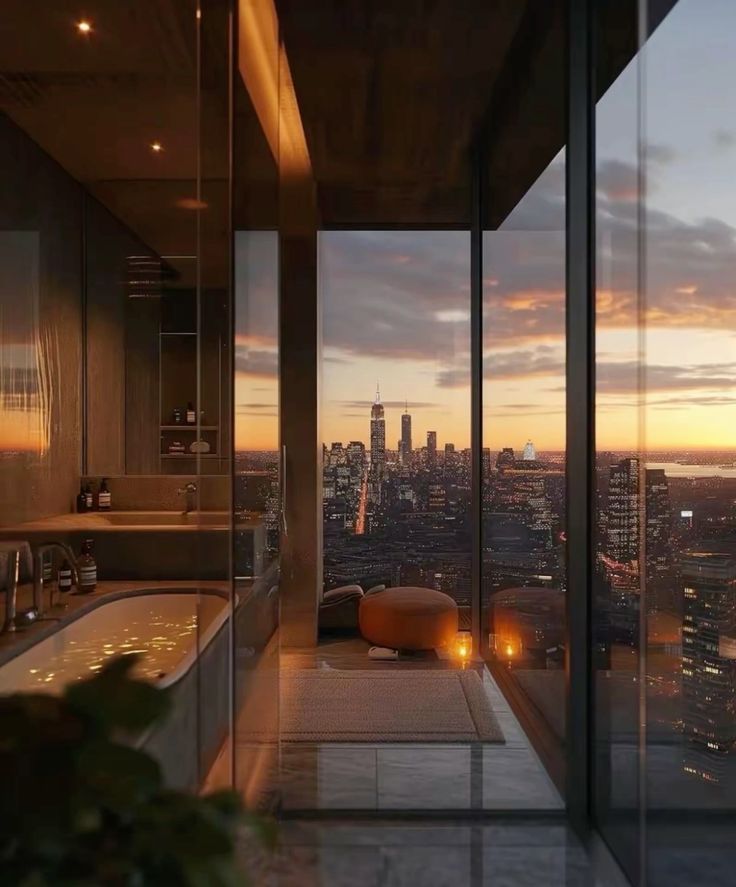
79, 806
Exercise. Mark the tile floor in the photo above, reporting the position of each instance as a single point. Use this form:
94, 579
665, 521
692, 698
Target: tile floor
411, 776
392, 853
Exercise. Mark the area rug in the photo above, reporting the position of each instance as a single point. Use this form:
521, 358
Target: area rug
326, 705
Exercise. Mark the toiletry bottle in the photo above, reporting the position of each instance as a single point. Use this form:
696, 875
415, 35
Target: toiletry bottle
87, 567
65, 576
191, 415
89, 498
81, 500
177, 416
104, 497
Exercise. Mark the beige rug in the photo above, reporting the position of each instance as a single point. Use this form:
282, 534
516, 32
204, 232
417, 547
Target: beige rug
322, 705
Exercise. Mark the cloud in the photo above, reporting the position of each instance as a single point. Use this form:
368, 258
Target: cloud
256, 409
623, 378
258, 363
404, 296
724, 138
388, 404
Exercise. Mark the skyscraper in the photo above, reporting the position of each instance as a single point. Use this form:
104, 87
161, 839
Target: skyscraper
431, 449
623, 512
405, 446
505, 459
378, 440
530, 453
709, 665
658, 552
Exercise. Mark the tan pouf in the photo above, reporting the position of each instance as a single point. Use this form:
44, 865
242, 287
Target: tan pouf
408, 618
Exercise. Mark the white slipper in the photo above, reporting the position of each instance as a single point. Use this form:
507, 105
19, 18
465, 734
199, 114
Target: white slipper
382, 653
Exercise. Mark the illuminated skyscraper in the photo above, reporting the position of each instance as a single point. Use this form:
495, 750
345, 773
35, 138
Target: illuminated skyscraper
431, 449
505, 459
378, 440
659, 563
709, 665
530, 453
405, 446
623, 512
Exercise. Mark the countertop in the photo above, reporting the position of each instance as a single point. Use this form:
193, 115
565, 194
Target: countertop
135, 521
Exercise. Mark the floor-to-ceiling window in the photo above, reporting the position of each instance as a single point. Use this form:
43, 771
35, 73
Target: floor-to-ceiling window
689, 254
665, 686
523, 584
396, 410
616, 577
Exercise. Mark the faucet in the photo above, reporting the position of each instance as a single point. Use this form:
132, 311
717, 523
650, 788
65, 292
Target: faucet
190, 491
11, 590
39, 558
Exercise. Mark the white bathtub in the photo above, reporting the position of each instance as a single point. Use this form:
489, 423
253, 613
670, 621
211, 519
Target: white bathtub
168, 629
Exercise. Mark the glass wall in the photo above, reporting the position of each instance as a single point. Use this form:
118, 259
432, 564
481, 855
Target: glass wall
114, 326
665, 686
523, 366
617, 579
690, 538
257, 491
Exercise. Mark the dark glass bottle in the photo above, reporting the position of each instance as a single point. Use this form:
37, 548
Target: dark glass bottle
87, 567
104, 497
65, 576
81, 500
89, 498
191, 415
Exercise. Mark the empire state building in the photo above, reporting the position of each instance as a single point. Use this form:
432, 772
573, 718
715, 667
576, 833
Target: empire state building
378, 440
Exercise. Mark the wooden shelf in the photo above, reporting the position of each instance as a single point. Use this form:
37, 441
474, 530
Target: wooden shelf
191, 456
184, 427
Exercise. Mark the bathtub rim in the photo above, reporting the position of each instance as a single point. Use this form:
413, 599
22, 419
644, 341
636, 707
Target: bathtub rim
22, 644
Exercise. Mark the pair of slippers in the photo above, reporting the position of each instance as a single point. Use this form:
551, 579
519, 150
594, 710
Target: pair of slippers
383, 653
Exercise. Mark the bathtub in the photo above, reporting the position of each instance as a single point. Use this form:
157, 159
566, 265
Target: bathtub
166, 628
171, 629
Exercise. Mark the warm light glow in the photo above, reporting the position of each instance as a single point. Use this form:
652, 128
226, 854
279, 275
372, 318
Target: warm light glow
265, 70
191, 203
463, 645
157, 147
84, 27
509, 650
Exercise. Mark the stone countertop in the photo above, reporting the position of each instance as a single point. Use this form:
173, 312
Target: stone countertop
69, 606
135, 521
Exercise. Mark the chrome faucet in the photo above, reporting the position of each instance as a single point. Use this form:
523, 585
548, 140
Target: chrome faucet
11, 589
190, 491
39, 559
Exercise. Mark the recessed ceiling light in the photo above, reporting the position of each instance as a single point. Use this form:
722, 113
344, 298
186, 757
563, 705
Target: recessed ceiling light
191, 203
84, 27
157, 147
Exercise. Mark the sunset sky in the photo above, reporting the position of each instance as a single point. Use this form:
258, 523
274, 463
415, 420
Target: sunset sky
396, 304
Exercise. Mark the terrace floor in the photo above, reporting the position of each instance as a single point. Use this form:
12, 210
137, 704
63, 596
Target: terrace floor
410, 776
444, 853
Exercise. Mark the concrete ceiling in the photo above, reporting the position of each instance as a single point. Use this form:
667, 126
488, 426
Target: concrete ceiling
393, 95
390, 96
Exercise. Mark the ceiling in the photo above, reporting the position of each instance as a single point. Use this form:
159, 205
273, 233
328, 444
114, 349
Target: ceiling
96, 103
392, 97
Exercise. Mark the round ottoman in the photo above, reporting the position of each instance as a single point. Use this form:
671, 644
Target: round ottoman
408, 618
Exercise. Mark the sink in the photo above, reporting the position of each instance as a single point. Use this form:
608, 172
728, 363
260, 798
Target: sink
165, 519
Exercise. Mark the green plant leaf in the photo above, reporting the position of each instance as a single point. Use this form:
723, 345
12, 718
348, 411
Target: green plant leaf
116, 776
117, 701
